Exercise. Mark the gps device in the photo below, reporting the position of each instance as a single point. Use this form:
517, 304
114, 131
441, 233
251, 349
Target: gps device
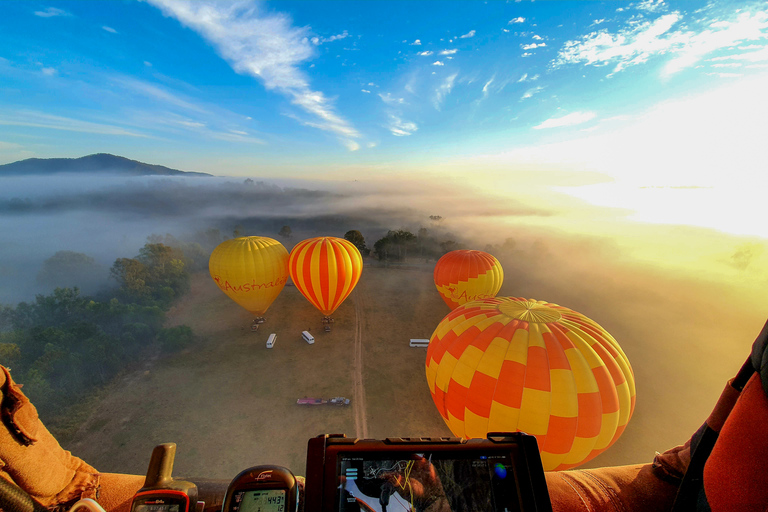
500, 474
161, 493
262, 489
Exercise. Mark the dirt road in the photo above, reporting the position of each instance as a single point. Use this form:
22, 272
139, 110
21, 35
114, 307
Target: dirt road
358, 397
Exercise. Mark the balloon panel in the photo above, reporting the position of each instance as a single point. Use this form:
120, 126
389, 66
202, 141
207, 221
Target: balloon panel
251, 270
463, 276
325, 270
509, 364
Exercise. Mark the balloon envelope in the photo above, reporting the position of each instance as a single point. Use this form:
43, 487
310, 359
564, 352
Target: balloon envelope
325, 270
251, 270
511, 364
463, 276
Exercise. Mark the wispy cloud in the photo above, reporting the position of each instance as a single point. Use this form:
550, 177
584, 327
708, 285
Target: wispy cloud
486, 91
530, 92
50, 12
426, 53
391, 100
526, 78
688, 40
48, 71
365, 91
449, 52
519, 19
444, 90
37, 119
158, 93
532, 46
317, 41
416, 43
109, 29
471, 33
399, 127
263, 45
438, 63
571, 119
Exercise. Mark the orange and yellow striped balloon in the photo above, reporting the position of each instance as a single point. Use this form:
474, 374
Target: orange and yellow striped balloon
463, 276
251, 270
509, 364
325, 270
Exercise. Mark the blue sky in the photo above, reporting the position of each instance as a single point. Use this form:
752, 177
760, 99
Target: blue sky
647, 94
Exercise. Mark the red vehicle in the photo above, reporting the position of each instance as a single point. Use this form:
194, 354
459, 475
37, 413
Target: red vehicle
311, 401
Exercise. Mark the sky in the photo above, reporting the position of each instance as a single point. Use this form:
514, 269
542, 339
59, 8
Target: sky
657, 108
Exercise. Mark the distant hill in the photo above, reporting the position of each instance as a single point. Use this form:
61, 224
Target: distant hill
101, 163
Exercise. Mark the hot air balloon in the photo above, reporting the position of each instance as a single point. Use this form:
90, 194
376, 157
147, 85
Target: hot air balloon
325, 270
510, 364
463, 276
251, 270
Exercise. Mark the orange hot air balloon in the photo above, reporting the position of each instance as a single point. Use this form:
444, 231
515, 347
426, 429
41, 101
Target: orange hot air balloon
463, 276
251, 270
325, 270
510, 364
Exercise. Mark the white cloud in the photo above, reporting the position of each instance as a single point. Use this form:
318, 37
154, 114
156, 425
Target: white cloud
48, 71
391, 100
530, 92
317, 41
157, 93
109, 29
264, 45
416, 43
438, 63
147, 63
471, 33
42, 120
526, 78
519, 19
688, 40
571, 119
426, 53
399, 127
630, 46
536, 37
651, 5
526, 54
366, 91
444, 90
487, 85
50, 12
449, 52
532, 46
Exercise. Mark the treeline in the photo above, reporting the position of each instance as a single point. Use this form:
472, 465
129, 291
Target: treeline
401, 244
64, 345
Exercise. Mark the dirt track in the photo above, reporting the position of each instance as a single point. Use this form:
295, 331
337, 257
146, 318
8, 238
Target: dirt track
358, 400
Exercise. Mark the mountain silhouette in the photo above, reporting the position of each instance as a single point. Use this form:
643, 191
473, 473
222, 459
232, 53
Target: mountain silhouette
101, 163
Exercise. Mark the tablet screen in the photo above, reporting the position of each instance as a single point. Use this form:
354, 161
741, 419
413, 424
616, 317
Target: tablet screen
440, 481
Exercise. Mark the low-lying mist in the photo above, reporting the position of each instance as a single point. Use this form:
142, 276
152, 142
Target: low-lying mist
685, 303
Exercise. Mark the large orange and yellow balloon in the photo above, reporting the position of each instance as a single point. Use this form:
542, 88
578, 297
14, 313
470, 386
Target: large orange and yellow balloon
325, 270
251, 270
510, 364
463, 276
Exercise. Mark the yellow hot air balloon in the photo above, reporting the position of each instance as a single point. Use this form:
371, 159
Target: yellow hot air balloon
463, 276
511, 364
325, 270
251, 270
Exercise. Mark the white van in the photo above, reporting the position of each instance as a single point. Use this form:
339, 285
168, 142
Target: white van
307, 337
271, 340
419, 343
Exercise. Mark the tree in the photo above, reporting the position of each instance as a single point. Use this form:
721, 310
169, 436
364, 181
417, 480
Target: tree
238, 232
358, 241
402, 240
285, 232
131, 275
381, 248
68, 269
